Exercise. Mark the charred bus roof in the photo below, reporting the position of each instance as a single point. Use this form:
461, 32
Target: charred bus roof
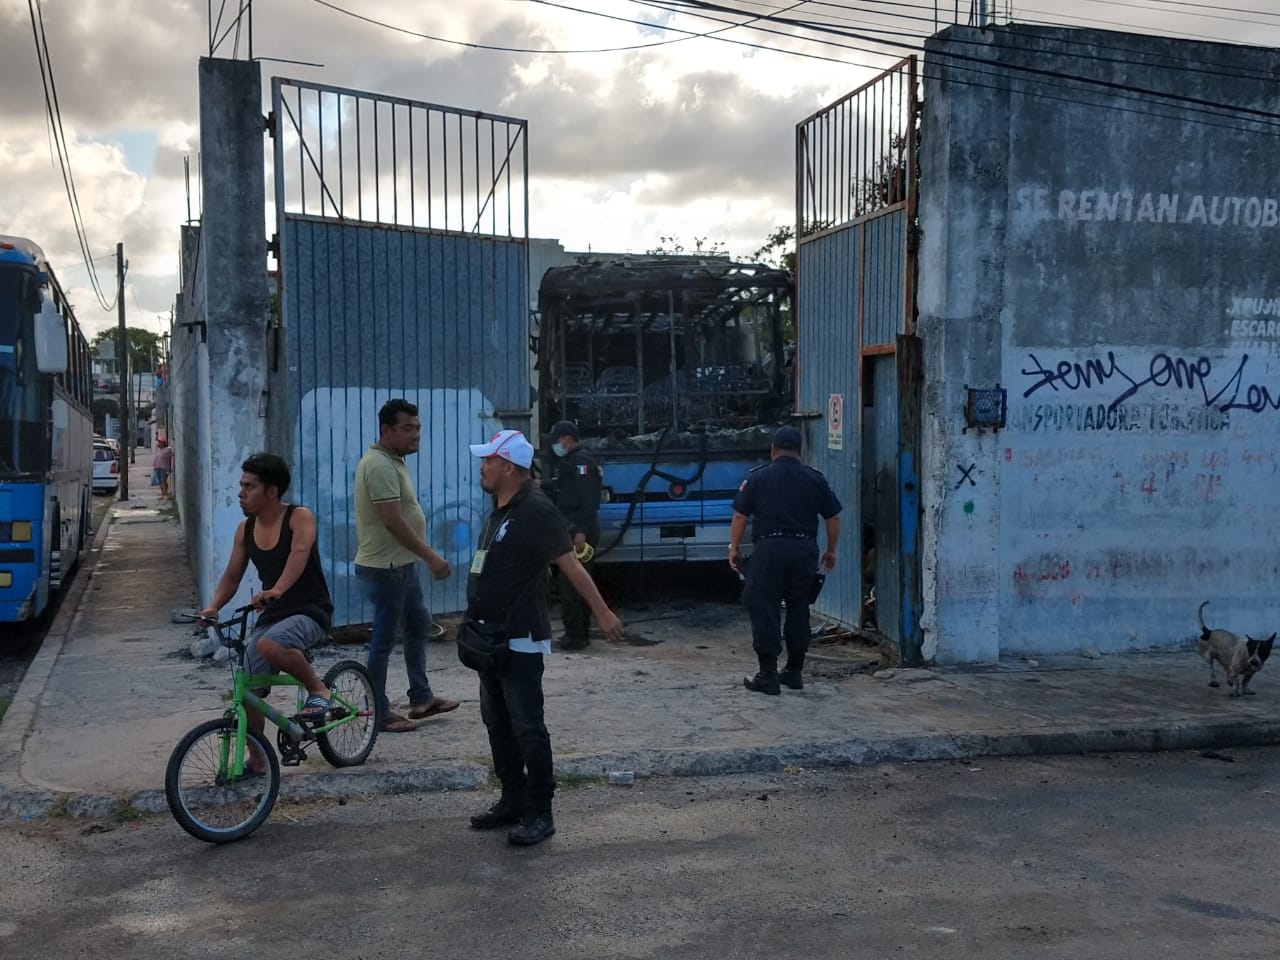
608, 283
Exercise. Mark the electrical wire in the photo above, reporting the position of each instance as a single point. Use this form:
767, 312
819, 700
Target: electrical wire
1213, 110
1191, 102
62, 152
1222, 68
1190, 65
690, 35
1203, 6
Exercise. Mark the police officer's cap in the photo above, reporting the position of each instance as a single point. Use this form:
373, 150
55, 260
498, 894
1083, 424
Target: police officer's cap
565, 428
787, 438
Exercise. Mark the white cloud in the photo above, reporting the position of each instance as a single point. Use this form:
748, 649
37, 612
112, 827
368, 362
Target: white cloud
691, 139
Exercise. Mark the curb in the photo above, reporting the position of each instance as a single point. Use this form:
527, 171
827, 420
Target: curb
18, 720
25, 803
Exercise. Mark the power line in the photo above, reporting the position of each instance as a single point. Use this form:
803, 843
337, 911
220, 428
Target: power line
1203, 6
1192, 102
1211, 109
689, 35
504, 49
54, 113
65, 159
1193, 65
1144, 110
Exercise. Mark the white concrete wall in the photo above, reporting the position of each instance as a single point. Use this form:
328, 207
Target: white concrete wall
1117, 274
219, 364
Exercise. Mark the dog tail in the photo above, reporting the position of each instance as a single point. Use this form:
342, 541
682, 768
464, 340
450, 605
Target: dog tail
1204, 631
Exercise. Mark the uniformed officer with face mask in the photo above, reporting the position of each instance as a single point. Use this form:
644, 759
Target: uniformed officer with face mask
784, 499
576, 491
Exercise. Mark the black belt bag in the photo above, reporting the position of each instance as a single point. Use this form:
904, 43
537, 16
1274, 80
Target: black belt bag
483, 647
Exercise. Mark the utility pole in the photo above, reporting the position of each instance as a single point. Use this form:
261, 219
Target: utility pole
122, 365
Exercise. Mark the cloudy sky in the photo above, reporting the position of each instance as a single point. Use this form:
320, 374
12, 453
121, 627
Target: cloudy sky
679, 135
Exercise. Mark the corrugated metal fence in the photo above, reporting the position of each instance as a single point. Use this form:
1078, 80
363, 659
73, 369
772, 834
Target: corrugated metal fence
855, 210
403, 273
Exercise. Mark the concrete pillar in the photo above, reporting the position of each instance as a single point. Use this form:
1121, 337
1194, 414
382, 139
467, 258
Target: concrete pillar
233, 280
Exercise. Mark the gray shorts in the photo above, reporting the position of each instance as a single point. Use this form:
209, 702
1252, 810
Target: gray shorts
299, 632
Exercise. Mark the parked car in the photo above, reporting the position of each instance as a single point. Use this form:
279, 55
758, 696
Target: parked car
111, 442
106, 468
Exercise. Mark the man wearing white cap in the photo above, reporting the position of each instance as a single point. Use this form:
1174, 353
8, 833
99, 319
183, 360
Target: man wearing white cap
523, 535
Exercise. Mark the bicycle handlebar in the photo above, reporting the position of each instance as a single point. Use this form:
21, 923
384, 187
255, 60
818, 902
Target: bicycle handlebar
238, 616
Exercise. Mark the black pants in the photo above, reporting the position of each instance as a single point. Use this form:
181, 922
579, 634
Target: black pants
780, 568
511, 708
574, 610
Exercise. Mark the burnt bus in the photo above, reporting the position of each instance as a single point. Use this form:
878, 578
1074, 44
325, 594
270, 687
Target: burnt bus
676, 371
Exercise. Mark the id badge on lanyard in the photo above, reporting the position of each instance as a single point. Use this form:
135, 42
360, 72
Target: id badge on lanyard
477, 562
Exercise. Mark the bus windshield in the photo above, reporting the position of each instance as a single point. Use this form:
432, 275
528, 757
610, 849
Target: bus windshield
23, 435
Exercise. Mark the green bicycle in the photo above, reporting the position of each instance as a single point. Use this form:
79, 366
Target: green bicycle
211, 790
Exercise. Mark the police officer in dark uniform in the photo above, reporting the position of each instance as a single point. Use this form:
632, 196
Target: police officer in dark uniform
784, 499
576, 491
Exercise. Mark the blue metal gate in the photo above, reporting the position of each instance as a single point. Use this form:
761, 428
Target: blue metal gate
402, 250
855, 223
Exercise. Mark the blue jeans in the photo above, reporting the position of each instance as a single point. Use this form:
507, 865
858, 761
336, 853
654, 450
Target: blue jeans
398, 606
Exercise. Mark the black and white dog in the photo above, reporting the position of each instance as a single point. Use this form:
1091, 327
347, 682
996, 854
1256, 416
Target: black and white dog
1241, 657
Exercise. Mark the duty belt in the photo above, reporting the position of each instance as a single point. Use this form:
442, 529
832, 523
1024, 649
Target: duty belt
788, 534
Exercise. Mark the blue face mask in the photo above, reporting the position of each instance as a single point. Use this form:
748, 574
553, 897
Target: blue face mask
559, 450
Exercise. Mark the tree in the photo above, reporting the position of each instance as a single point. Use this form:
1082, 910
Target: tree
778, 249
145, 348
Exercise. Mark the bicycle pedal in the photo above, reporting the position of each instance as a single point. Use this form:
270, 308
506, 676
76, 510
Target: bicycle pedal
293, 760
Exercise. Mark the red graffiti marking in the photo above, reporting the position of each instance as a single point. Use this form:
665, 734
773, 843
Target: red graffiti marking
1008, 454
1148, 485
1056, 571
1215, 459
1208, 485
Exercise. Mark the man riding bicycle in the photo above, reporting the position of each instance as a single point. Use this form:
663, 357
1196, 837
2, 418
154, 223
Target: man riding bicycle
294, 606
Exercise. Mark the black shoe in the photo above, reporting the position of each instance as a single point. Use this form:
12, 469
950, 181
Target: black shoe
792, 679
501, 814
763, 683
573, 643
532, 830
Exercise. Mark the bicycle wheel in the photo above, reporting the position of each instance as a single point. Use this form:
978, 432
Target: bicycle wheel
204, 801
356, 704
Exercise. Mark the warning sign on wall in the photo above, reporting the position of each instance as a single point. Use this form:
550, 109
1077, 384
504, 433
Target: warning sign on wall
835, 421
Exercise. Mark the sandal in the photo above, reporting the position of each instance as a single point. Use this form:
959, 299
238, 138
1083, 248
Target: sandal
394, 723
315, 708
431, 708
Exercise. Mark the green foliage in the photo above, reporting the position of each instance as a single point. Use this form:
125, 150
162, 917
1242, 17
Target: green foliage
105, 407
778, 248
144, 346
673, 246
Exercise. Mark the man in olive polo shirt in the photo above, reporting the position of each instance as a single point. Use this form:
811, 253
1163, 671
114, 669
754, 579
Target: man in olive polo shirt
392, 531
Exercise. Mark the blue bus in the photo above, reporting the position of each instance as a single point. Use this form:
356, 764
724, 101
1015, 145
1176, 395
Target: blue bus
676, 371
46, 433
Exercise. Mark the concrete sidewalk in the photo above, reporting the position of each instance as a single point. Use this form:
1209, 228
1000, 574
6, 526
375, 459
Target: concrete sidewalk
115, 687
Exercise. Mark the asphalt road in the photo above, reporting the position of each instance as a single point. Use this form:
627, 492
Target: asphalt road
1153, 856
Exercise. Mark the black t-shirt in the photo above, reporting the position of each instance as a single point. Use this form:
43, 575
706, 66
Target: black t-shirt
521, 539
785, 495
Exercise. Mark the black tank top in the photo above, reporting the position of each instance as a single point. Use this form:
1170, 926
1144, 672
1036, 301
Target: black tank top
308, 596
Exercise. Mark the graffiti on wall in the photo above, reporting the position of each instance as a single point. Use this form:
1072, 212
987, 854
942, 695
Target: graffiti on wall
336, 426
1234, 384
